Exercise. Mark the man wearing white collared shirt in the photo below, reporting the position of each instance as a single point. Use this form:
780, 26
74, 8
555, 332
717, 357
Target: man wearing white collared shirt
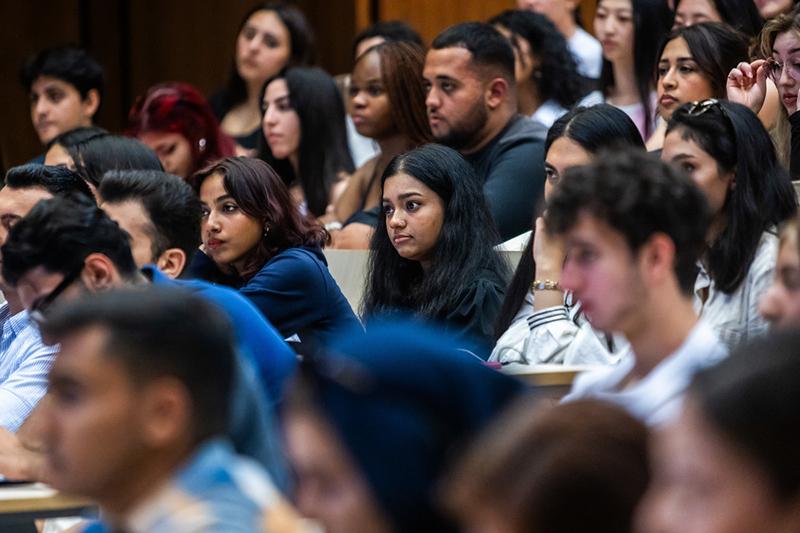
633, 229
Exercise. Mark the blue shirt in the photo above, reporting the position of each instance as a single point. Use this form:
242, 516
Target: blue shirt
296, 292
214, 491
24, 364
251, 425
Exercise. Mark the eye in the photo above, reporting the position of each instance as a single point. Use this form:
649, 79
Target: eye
584, 256
791, 280
375, 90
352, 91
662, 71
448, 86
686, 69
551, 175
229, 208
388, 210
249, 33
688, 167
271, 41
204, 212
55, 96
168, 150
412, 205
426, 85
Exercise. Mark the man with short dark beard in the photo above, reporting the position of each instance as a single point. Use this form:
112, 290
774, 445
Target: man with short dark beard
472, 107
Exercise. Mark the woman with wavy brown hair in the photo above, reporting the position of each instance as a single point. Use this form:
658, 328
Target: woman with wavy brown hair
253, 231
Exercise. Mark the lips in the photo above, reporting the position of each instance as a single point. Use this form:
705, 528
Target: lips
400, 238
790, 100
608, 43
667, 100
358, 119
214, 244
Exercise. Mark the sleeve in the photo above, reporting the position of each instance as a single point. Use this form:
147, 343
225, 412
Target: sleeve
557, 335
514, 185
291, 292
762, 271
794, 164
476, 312
23, 389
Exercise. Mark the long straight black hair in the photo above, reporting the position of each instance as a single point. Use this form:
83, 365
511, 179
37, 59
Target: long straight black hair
763, 196
652, 21
464, 251
323, 138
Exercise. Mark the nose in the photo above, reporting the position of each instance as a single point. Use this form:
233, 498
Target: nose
668, 80
253, 44
396, 220
270, 116
212, 222
358, 100
432, 100
41, 107
785, 79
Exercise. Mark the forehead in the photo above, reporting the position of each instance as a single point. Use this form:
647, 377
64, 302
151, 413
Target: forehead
368, 67
83, 358
158, 138
212, 188
130, 214
697, 6
616, 4
20, 201
45, 83
402, 183
592, 231
268, 22
565, 153
676, 48
276, 89
453, 62
675, 143
786, 43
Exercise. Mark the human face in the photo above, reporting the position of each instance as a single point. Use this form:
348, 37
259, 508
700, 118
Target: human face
457, 111
691, 12
613, 26
702, 478
39, 286
786, 51
780, 304
57, 155
772, 8
369, 102
281, 124
57, 106
330, 489
603, 273
414, 217
91, 423
229, 234
263, 47
15, 204
700, 166
172, 149
679, 79
563, 154
132, 217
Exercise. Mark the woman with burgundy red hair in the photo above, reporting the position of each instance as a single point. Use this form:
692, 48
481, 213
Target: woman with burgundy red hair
175, 120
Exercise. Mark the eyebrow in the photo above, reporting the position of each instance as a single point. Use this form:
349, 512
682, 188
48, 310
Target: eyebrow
792, 51
681, 157
223, 198
403, 196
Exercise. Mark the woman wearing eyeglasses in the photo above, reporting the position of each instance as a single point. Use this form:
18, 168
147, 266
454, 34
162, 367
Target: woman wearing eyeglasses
730, 156
779, 46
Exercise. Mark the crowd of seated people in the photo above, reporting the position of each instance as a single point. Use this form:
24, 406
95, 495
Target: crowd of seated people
524, 199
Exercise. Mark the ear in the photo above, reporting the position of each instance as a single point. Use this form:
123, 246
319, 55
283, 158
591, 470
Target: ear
657, 259
172, 262
165, 412
100, 273
91, 103
497, 92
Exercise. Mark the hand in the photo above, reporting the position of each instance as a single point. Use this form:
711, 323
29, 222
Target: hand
548, 252
747, 84
17, 461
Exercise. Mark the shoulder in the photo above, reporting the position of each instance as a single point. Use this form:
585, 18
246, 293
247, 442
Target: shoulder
295, 266
523, 130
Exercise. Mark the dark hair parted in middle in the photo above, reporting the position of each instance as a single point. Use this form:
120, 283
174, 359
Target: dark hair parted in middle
323, 151
401, 74
715, 48
638, 196
488, 47
463, 250
763, 196
262, 195
99, 154
173, 209
59, 234
594, 128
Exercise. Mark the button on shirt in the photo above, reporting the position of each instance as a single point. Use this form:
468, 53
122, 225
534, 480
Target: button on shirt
24, 364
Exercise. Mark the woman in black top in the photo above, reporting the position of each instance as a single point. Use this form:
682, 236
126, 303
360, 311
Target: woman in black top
432, 252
